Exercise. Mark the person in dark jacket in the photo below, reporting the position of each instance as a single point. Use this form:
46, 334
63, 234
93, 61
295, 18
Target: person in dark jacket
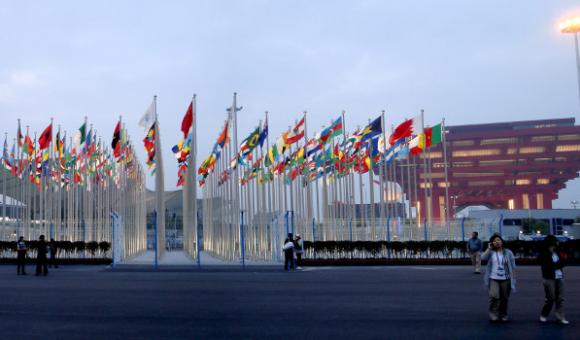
21, 250
41, 261
551, 261
298, 250
53, 251
474, 248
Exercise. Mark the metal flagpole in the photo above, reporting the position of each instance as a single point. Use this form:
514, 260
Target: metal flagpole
445, 167
4, 180
192, 183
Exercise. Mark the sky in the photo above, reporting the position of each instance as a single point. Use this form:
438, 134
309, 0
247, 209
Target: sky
466, 61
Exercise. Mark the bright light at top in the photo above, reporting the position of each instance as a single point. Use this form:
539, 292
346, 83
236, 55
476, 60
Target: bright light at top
570, 26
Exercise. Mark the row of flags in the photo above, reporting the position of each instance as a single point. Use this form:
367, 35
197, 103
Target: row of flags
323, 154
83, 161
291, 155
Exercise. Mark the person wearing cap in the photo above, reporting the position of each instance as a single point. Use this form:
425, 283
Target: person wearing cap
298, 250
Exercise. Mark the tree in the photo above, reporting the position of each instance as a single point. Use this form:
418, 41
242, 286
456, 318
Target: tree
532, 225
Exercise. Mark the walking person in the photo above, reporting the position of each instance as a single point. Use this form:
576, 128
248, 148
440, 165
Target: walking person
288, 254
551, 262
299, 250
500, 278
474, 248
53, 251
41, 261
21, 250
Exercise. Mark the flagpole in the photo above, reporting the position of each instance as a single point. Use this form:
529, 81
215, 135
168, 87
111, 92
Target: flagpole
445, 166
192, 183
18, 187
27, 190
4, 180
159, 188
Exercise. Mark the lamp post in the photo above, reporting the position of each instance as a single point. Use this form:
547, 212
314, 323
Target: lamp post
454, 198
573, 26
574, 203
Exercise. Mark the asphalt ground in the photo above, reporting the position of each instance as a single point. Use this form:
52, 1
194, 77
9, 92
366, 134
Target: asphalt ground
434, 302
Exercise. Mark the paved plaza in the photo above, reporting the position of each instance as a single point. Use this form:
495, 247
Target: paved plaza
264, 302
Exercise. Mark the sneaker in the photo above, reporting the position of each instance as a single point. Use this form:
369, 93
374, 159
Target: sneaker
493, 318
505, 319
543, 319
564, 322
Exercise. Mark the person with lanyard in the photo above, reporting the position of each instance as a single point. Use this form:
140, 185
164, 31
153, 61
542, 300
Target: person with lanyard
500, 277
551, 262
21, 259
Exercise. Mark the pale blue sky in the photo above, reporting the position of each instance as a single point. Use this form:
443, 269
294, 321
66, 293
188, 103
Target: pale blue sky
466, 61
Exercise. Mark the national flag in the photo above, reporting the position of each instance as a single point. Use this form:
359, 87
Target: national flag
224, 137
250, 142
148, 117
116, 143
433, 135
149, 140
332, 131
19, 136
187, 121
373, 129
297, 133
417, 144
407, 128
79, 137
90, 143
45, 138
6, 156
263, 133
28, 147
312, 146
57, 143
278, 148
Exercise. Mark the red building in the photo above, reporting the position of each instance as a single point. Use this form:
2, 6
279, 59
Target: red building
515, 165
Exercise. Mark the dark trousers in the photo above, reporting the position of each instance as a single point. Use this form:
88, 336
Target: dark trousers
41, 266
554, 290
21, 264
299, 259
499, 293
288, 261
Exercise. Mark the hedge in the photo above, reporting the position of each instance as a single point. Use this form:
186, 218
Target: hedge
422, 249
66, 249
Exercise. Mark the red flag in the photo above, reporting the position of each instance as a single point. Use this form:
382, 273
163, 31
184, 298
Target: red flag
116, 143
224, 137
402, 131
45, 138
187, 120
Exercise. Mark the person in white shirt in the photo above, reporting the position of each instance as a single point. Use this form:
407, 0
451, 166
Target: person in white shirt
500, 277
288, 249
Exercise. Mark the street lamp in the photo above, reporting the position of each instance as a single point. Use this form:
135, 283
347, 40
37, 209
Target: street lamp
574, 203
454, 198
573, 26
